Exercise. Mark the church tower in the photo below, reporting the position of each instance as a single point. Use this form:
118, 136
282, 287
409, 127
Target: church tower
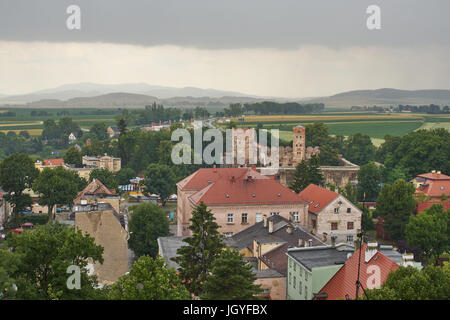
298, 144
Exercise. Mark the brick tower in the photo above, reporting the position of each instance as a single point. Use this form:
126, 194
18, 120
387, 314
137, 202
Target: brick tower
298, 144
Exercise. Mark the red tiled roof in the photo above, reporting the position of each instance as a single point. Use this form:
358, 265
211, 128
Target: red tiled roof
95, 187
320, 197
243, 191
421, 206
203, 177
434, 176
435, 188
344, 281
53, 162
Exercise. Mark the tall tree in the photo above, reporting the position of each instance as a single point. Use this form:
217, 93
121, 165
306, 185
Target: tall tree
231, 278
160, 179
73, 156
395, 204
55, 186
429, 232
369, 179
45, 254
105, 176
149, 279
17, 173
307, 172
203, 247
359, 149
148, 222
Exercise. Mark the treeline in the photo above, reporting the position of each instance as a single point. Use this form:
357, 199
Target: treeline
430, 109
269, 107
7, 114
56, 133
11, 143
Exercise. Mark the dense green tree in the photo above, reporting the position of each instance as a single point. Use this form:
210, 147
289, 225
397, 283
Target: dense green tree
165, 152
17, 173
160, 179
369, 179
124, 175
307, 172
408, 283
9, 264
148, 222
395, 204
359, 149
55, 186
203, 247
100, 130
105, 176
350, 192
45, 254
73, 156
149, 279
429, 232
328, 156
417, 152
231, 278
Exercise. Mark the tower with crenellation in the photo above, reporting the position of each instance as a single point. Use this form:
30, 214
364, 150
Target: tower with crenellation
298, 144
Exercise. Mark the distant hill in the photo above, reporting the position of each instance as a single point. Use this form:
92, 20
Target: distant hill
386, 97
87, 89
134, 100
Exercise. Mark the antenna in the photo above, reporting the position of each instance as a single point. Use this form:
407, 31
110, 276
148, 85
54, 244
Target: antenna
358, 283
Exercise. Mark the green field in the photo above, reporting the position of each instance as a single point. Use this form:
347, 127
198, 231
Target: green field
25, 121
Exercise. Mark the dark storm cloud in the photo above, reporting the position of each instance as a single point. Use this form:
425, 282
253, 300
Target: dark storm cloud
228, 23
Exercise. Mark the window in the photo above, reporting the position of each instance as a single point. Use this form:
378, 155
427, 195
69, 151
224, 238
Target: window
349, 210
295, 281
336, 210
299, 287
334, 226
244, 218
294, 216
290, 278
349, 225
274, 213
306, 292
258, 217
349, 238
230, 218
295, 266
306, 276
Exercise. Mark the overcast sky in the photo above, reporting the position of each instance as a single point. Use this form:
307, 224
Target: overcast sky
286, 48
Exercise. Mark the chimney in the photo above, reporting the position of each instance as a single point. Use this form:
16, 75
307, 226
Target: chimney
214, 169
253, 167
249, 178
371, 250
301, 243
270, 226
434, 171
408, 259
439, 174
265, 221
310, 243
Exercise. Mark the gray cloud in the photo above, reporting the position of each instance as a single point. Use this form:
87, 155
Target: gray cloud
218, 24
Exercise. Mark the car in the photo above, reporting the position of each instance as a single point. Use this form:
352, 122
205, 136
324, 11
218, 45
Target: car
27, 225
17, 230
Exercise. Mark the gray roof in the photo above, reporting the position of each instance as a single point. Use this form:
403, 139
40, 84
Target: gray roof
168, 247
261, 234
314, 257
389, 252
